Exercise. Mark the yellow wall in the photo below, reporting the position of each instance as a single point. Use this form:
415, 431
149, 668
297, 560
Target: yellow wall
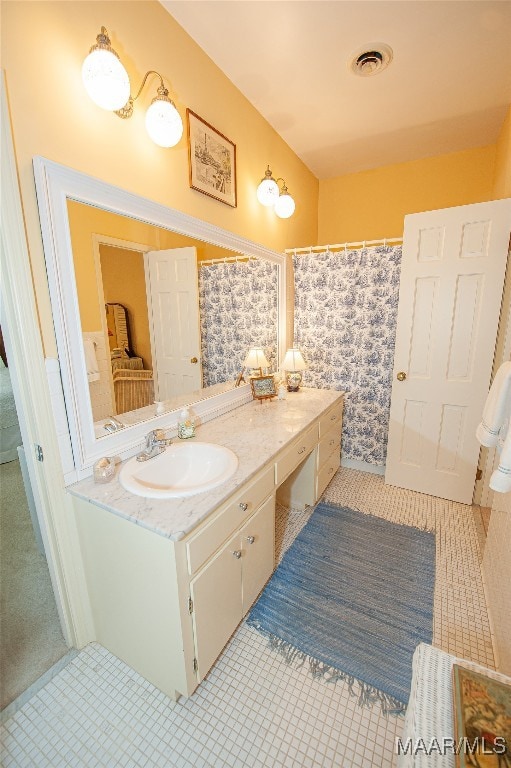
502, 180
372, 204
43, 47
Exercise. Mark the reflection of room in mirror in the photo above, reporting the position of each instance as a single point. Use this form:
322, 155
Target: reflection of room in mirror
100, 389
238, 309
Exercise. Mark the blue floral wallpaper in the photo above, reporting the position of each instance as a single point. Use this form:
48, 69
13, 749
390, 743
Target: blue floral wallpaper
238, 304
345, 323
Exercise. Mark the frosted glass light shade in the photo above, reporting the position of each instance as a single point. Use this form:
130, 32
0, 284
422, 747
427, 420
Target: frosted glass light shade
268, 192
293, 361
105, 80
284, 206
256, 359
163, 123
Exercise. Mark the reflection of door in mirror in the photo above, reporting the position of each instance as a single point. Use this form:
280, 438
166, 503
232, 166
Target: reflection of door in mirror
238, 309
173, 299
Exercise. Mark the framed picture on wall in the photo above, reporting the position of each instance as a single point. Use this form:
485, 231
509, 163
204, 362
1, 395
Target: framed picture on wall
212, 160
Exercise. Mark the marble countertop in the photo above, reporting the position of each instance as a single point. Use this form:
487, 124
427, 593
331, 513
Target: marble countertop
256, 432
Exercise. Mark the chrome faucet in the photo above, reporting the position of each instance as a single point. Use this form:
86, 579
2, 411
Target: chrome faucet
113, 424
155, 443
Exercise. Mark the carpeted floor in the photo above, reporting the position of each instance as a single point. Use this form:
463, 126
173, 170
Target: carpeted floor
30, 633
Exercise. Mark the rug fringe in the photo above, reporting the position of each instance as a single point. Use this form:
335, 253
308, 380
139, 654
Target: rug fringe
425, 528
367, 694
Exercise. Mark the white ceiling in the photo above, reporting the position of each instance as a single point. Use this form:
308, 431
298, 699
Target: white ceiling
447, 89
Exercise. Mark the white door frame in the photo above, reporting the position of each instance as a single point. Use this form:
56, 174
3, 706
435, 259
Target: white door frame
33, 403
127, 245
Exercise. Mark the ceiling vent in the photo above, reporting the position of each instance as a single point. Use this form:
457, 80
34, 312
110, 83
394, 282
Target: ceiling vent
371, 59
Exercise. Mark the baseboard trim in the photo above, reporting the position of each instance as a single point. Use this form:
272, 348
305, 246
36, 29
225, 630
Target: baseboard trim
363, 466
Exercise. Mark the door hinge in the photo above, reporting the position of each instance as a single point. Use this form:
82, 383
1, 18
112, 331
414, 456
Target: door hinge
195, 666
479, 474
190, 605
39, 453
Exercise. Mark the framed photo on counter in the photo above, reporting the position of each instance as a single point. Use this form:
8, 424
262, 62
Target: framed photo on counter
263, 387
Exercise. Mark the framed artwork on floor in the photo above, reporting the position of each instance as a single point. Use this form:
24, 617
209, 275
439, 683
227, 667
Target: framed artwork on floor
212, 160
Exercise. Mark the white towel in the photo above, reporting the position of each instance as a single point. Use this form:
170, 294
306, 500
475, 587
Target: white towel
501, 478
497, 408
91, 362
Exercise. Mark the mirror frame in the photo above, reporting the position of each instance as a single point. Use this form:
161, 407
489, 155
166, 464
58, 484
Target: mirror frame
55, 185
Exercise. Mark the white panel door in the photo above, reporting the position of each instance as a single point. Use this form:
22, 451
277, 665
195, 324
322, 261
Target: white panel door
173, 302
450, 293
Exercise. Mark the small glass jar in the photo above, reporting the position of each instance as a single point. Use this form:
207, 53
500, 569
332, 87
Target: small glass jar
104, 470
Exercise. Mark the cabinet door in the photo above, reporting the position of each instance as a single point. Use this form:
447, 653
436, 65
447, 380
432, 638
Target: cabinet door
258, 552
216, 596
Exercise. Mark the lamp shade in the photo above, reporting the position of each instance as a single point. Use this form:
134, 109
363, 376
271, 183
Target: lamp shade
256, 359
105, 79
163, 122
268, 190
284, 206
293, 361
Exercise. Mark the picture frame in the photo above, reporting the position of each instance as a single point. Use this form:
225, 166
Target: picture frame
263, 387
211, 160
482, 707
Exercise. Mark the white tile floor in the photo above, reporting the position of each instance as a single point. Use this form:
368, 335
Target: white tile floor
252, 710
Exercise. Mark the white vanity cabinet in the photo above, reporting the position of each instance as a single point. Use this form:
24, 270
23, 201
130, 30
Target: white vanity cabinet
302, 482
169, 581
224, 590
329, 447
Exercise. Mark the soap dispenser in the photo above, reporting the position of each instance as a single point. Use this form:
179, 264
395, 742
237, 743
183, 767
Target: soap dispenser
185, 425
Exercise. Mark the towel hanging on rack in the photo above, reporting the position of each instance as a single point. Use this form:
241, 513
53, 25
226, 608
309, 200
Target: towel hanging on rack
497, 408
91, 362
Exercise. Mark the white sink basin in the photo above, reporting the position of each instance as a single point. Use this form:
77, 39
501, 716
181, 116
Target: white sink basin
183, 469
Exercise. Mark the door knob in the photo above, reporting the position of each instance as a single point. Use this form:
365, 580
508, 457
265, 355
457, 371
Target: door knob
401, 376
194, 360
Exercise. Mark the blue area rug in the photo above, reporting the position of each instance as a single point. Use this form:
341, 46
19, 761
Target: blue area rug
353, 597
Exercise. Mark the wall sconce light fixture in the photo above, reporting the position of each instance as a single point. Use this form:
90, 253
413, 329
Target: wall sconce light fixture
269, 193
107, 83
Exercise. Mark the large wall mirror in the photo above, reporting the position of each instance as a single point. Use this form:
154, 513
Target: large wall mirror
153, 310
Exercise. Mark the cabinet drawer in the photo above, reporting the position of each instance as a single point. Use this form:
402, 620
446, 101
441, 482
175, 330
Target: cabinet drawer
332, 417
295, 455
243, 504
327, 471
330, 442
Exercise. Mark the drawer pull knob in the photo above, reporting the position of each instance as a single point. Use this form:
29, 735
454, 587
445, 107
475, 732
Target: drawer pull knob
243, 506
302, 449
237, 554
250, 539
333, 417
332, 442
401, 376
330, 471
